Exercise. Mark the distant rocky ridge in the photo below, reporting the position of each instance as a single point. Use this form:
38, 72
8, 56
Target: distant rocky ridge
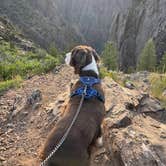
63, 22
131, 30
9, 34
130, 23
31, 18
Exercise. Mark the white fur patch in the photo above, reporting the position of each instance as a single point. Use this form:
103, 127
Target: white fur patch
68, 58
99, 142
92, 66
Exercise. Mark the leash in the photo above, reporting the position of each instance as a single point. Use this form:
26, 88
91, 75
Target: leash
67, 131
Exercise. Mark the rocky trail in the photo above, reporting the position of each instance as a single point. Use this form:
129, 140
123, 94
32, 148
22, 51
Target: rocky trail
134, 129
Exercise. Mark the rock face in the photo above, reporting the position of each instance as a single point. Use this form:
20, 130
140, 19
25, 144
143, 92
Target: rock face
40, 21
64, 22
130, 23
10, 34
143, 20
92, 18
133, 136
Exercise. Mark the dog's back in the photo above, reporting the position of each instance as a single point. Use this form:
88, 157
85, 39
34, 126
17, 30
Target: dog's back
75, 150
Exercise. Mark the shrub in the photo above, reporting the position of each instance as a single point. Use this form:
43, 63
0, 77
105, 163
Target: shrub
53, 51
147, 59
158, 85
109, 56
5, 85
162, 66
17, 62
116, 76
104, 72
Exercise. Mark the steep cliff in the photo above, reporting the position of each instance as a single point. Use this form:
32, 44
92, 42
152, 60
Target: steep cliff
92, 18
64, 22
143, 20
130, 23
40, 21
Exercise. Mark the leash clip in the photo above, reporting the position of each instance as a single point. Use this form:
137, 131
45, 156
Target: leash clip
85, 89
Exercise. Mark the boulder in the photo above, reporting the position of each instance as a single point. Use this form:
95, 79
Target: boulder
133, 130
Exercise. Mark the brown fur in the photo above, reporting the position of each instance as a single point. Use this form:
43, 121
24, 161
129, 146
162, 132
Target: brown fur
75, 151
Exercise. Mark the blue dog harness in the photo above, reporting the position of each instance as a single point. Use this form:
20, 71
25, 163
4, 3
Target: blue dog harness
90, 91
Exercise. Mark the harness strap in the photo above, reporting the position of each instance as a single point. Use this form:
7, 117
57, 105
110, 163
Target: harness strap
90, 92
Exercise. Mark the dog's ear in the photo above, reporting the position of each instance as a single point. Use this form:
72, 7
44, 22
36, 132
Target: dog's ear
68, 58
96, 56
78, 59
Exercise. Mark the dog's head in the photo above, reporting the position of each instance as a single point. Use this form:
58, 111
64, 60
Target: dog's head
83, 58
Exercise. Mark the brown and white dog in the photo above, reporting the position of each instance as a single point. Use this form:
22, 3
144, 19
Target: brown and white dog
75, 151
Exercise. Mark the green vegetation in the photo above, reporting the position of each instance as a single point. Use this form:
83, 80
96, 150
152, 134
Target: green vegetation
158, 85
147, 59
116, 76
55, 53
16, 63
5, 85
162, 66
104, 72
110, 56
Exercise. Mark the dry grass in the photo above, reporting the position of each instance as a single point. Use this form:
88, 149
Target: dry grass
158, 85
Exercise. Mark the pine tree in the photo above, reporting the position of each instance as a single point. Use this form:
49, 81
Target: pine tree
147, 59
53, 50
163, 64
109, 56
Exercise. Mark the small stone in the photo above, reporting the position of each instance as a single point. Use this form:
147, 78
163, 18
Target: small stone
124, 122
156, 126
132, 133
55, 111
129, 106
39, 126
61, 100
1, 133
129, 85
32, 120
10, 130
36, 96
36, 106
4, 162
25, 113
50, 107
10, 125
2, 158
5, 107
163, 135
2, 103
2, 149
145, 80
164, 93
16, 111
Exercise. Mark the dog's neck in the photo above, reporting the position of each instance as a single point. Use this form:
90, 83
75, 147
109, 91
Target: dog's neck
92, 66
89, 70
89, 73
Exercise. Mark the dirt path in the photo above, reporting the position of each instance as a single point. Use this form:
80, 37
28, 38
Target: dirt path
23, 130
134, 129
